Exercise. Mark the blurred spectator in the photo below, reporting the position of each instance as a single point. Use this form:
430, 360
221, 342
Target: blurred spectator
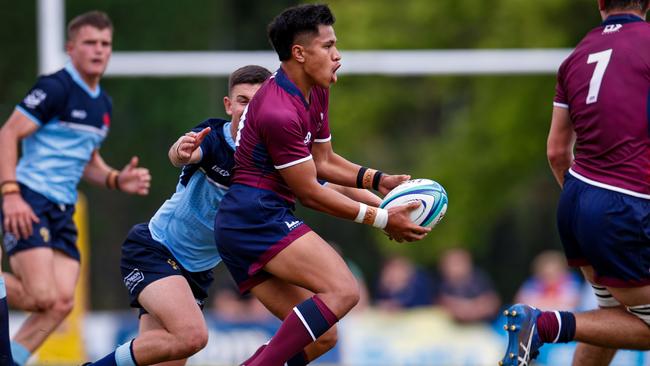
552, 285
402, 285
465, 292
229, 306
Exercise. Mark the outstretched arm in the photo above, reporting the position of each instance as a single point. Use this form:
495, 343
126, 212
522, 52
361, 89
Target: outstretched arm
559, 146
186, 150
131, 179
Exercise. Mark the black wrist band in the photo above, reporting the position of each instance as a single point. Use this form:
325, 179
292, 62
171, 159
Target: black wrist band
362, 171
376, 179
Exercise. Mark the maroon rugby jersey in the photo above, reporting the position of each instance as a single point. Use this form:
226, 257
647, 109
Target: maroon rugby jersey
276, 131
605, 84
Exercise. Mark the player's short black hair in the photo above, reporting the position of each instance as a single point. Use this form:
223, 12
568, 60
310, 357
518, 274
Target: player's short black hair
250, 74
639, 5
95, 18
295, 21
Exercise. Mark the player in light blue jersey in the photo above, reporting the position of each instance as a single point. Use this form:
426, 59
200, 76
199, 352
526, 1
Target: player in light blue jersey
167, 263
61, 123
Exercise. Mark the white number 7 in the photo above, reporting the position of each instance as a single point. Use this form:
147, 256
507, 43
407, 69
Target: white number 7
602, 60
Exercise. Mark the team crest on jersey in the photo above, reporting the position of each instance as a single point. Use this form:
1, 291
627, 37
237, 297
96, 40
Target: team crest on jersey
612, 28
45, 234
133, 279
173, 264
9, 241
106, 119
35, 98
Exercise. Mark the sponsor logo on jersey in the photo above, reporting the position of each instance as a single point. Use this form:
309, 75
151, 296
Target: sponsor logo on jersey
307, 138
293, 224
79, 114
612, 28
222, 172
35, 98
133, 279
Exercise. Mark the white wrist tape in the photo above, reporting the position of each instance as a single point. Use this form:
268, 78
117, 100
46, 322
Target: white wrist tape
362, 213
381, 220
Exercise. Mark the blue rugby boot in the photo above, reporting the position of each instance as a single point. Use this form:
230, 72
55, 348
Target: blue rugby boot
523, 339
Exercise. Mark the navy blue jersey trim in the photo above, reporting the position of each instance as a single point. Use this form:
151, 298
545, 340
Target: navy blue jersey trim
622, 19
283, 81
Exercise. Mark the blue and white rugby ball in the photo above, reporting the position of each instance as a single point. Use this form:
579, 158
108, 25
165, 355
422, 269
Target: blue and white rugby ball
431, 194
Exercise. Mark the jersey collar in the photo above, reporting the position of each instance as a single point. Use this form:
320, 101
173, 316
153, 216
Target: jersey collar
228, 135
622, 19
285, 83
79, 81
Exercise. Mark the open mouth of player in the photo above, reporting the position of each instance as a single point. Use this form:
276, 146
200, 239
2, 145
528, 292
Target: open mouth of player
334, 77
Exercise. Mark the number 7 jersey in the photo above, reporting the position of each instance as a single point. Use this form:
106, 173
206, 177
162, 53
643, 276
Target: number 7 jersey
605, 84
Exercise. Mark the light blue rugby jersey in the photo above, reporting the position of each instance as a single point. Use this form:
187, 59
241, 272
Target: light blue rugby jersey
184, 224
73, 121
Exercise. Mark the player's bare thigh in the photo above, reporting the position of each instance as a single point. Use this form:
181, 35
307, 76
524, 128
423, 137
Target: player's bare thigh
40, 269
311, 263
631, 296
171, 302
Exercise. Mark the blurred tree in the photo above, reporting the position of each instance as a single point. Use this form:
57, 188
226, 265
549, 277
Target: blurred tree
483, 138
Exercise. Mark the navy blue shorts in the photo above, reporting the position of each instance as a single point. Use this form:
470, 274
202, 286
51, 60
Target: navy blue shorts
145, 261
607, 230
252, 226
55, 230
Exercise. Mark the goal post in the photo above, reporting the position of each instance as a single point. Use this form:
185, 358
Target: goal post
51, 36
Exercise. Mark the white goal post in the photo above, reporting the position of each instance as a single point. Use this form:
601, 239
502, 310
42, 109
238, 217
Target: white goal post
51, 35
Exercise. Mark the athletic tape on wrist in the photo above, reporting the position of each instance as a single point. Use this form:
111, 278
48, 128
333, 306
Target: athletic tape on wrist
381, 220
362, 213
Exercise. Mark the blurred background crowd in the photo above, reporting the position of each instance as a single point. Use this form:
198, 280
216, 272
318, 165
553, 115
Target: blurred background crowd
482, 137
464, 291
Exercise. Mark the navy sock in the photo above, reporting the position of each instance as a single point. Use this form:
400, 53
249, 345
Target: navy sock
299, 359
122, 356
5, 342
567, 328
556, 326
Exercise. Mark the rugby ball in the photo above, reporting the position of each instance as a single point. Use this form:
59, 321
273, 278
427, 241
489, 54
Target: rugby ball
431, 194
